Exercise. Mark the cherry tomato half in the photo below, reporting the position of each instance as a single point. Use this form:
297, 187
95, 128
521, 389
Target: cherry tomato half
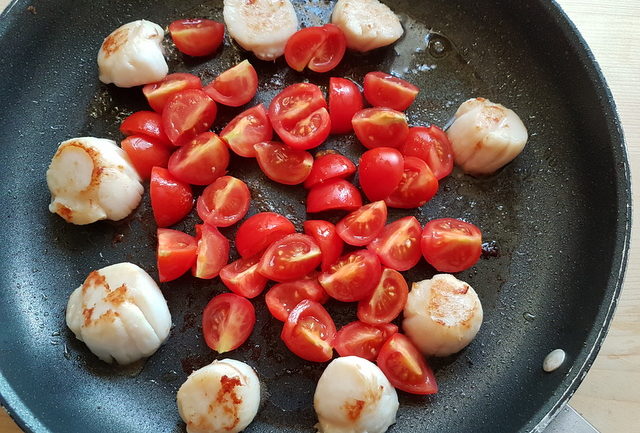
451, 245
387, 299
158, 93
187, 114
235, 86
224, 202
384, 90
432, 146
309, 332
282, 163
337, 194
201, 161
328, 240
363, 340
212, 252
290, 258
246, 129
176, 254
345, 100
171, 199
227, 322
353, 277
242, 277
380, 163
418, 185
362, 225
146, 123
329, 166
398, 244
261, 230
405, 367
318, 48
377, 127
145, 153
283, 297
197, 37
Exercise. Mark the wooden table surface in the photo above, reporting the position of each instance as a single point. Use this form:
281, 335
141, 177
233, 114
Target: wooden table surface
609, 397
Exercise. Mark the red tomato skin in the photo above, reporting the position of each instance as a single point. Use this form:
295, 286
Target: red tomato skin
283, 297
418, 185
451, 245
380, 127
380, 163
261, 230
145, 153
302, 45
363, 278
177, 112
385, 90
367, 307
345, 100
329, 166
283, 164
274, 264
390, 357
206, 205
158, 93
410, 249
354, 231
242, 277
200, 161
240, 309
212, 253
333, 195
432, 146
376, 336
146, 123
250, 127
328, 240
330, 53
171, 199
197, 37
176, 254
235, 86
297, 344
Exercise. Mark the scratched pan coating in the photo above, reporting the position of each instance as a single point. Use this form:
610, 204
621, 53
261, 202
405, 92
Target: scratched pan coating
559, 216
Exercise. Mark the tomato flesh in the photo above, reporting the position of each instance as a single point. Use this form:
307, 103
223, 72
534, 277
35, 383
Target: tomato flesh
386, 301
246, 129
145, 123
145, 153
318, 48
197, 37
328, 240
337, 194
187, 114
329, 166
353, 277
176, 254
418, 185
432, 146
378, 127
380, 163
201, 161
224, 202
309, 332
384, 90
290, 258
283, 297
398, 244
171, 199
362, 226
451, 245
212, 252
242, 277
235, 86
227, 322
158, 93
282, 163
345, 100
261, 230
363, 340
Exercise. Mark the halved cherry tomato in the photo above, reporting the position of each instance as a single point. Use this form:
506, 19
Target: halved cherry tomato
386, 301
309, 332
328, 240
405, 367
329, 166
283, 297
171, 199
235, 86
418, 185
187, 114
319, 48
451, 245
290, 258
353, 277
197, 36
282, 163
147, 123
337, 194
212, 252
432, 146
227, 322
299, 116
176, 254
363, 340
145, 153
398, 244
158, 93
246, 129
259, 231
384, 90
224, 202
376, 164
345, 100
377, 127
362, 226
201, 161
242, 277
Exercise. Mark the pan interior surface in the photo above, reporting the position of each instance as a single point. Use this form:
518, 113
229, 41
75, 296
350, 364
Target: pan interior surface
558, 215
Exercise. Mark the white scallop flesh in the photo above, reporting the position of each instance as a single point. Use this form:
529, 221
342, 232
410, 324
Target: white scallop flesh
221, 397
132, 55
92, 179
367, 24
119, 313
354, 396
442, 315
261, 26
485, 136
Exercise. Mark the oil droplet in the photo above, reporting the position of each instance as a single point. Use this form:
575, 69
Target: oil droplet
439, 46
65, 352
529, 317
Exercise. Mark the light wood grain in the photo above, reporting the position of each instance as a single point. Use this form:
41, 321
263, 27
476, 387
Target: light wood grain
610, 395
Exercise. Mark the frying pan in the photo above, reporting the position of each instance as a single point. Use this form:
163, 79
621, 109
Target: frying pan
558, 217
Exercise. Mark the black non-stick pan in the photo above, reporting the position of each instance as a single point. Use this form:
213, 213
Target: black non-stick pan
559, 217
